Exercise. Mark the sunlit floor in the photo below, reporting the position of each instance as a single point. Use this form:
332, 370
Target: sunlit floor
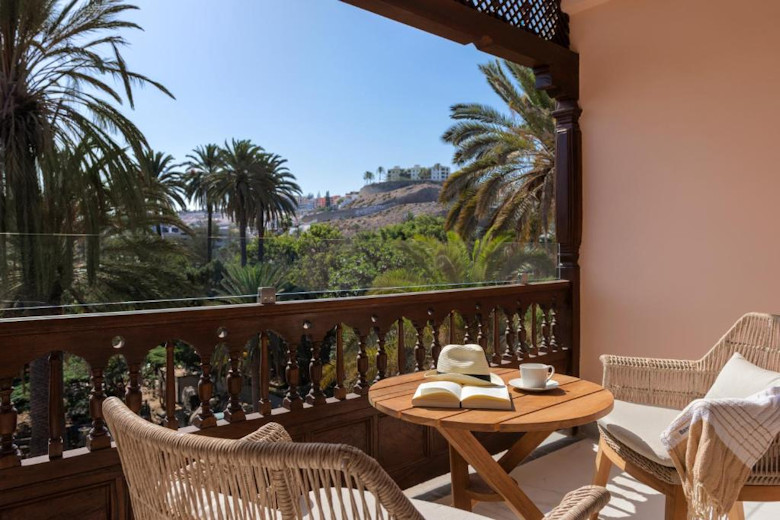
547, 478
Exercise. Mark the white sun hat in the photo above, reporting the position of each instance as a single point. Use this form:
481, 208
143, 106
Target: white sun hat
464, 364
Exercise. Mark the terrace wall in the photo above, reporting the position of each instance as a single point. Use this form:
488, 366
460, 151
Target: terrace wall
681, 172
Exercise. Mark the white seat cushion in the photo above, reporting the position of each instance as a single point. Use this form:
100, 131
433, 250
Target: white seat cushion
436, 511
639, 427
740, 378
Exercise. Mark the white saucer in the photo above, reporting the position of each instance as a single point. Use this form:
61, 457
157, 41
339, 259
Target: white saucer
518, 383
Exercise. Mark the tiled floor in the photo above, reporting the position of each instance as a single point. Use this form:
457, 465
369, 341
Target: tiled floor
547, 478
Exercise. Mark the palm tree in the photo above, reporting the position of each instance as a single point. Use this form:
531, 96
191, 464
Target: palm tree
368, 177
490, 259
203, 164
275, 195
380, 173
60, 62
507, 161
232, 186
163, 187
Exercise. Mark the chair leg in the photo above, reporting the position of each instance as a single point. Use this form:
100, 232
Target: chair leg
676, 505
737, 511
601, 476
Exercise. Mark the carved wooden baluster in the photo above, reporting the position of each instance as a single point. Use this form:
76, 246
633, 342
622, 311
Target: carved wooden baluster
361, 385
340, 391
466, 330
481, 337
435, 346
133, 398
234, 412
452, 328
206, 418
419, 348
544, 343
292, 399
522, 333
9, 452
170, 389
315, 396
533, 349
509, 336
496, 339
401, 347
381, 354
98, 438
264, 404
553, 323
56, 412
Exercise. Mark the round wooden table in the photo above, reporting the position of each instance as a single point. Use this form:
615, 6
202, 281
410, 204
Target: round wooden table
536, 415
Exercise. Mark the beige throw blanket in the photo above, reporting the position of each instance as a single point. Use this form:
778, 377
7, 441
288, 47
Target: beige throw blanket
714, 444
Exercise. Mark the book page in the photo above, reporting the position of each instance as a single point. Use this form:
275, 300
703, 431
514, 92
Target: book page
492, 397
444, 394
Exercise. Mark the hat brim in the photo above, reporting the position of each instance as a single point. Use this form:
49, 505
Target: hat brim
464, 379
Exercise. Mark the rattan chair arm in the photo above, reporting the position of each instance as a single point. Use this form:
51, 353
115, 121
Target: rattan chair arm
670, 383
271, 432
580, 504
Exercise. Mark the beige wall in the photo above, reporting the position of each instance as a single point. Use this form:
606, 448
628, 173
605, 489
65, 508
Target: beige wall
681, 142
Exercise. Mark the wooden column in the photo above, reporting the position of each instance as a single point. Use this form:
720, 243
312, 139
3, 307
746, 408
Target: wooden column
435, 345
234, 411
206, 418
9, 452
401, 351
316, 396
361, 385
340, 391
264, 404
419, 348
381, 354
568, 206
510, 349
98, 438
133, 397
56, 410
170, 388
292, 399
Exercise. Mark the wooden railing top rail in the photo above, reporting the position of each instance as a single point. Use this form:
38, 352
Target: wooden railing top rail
92, 336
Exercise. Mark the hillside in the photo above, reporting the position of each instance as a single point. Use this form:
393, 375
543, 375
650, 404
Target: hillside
382, 204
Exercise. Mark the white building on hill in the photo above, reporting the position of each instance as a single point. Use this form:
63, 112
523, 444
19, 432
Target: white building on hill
437, 173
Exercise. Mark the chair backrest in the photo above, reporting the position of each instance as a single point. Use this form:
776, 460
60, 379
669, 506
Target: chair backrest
175, 475
755, 335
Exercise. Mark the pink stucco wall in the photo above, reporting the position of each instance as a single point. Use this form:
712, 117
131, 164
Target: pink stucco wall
681, 150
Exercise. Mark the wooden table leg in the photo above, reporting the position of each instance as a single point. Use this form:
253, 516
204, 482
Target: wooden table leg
522, 449
491, 472
459, 475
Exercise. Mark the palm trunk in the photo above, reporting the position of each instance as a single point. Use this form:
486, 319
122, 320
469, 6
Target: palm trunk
242, 238
209, 217
260, 237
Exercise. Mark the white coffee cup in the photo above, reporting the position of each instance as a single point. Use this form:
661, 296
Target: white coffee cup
536, 375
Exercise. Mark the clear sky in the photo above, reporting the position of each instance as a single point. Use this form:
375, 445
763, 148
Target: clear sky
334, 89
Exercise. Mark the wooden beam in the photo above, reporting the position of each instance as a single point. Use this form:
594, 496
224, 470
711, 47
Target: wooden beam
461, 24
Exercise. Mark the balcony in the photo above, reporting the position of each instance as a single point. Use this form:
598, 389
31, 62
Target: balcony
333, 349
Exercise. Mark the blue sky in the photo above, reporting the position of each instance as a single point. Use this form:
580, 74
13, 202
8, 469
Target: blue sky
334, 89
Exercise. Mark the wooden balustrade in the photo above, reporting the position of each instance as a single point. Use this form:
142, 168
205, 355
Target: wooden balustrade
512, 324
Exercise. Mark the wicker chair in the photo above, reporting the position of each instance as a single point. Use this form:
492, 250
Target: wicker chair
672, 384
265, 475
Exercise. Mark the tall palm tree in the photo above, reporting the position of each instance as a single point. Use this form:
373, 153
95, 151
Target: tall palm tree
203, 164
507, 160
233, 185
380, 174
368, 177
163, 186
60, 63
275, 195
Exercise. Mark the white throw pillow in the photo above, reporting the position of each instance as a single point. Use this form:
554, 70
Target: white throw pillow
740, 378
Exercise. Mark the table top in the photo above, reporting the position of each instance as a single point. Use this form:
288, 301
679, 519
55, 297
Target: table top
575, 402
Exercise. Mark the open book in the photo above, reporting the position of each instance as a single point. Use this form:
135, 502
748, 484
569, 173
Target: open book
446, 394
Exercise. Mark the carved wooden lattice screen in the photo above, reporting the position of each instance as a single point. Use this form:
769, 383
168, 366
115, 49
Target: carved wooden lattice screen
541, 17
